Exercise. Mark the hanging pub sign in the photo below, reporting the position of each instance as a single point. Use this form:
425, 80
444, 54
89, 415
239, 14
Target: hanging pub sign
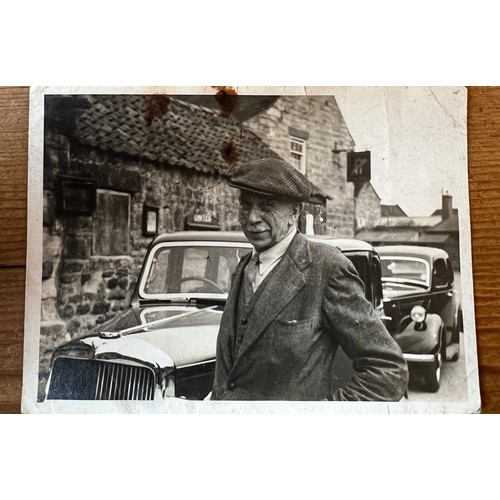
358, 167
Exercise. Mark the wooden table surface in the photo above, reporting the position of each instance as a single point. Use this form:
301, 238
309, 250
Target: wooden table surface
484, 183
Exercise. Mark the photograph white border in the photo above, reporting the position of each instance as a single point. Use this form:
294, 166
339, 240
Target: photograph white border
33, 291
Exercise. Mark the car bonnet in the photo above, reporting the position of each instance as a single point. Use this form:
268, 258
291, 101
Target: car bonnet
183, 338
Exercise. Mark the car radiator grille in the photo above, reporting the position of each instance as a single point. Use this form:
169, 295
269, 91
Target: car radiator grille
99, 380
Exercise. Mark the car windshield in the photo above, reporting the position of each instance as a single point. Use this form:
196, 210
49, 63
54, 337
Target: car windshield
405, 271
193, 270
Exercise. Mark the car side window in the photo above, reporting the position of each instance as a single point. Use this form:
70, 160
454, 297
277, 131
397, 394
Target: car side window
377, 281
361, 264
440, 274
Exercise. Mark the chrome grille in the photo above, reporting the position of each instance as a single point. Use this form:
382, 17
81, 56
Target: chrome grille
99, 380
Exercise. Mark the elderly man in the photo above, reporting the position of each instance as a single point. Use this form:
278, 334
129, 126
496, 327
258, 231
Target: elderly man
293, 303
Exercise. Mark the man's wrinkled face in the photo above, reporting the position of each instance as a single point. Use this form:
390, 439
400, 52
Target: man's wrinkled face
266, 220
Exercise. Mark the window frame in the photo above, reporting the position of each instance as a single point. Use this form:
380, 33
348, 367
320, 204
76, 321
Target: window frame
143, 295
303, 154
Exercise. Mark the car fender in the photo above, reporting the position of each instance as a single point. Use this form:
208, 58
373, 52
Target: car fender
449, 313
426, 341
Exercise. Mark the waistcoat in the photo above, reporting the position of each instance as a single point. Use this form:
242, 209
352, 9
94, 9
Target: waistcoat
243, 313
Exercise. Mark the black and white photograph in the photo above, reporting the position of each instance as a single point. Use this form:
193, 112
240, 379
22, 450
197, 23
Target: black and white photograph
274, 249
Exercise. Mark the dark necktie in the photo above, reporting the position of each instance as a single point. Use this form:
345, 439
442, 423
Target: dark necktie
250, 274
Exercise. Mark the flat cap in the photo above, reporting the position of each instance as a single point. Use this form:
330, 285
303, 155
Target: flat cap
273, 177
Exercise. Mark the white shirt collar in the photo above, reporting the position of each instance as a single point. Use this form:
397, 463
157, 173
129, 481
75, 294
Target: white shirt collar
270, 256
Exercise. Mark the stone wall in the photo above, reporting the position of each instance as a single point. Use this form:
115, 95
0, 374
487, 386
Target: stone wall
81, 290
367, 207
318, 120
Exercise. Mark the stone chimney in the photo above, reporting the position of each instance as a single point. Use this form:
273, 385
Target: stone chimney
447, 208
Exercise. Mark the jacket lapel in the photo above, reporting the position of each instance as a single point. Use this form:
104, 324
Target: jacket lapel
280, 287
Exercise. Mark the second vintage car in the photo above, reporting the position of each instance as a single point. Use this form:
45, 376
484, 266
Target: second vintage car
164, 344
423, 309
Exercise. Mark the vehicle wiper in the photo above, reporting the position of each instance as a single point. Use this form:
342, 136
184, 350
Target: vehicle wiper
143, 326
402, 281
207, 300
183, 301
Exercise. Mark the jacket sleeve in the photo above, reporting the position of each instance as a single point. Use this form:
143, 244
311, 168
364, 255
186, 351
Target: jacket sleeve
380, 371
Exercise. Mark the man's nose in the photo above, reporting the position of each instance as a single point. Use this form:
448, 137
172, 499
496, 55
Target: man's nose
254, 216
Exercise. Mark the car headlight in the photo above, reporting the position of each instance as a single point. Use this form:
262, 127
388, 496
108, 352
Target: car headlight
418, 315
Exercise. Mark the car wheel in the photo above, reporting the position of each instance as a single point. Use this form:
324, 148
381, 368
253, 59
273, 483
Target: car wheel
456, 337
456, 354
443, 345
432, 374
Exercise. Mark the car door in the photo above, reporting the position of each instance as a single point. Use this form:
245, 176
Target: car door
444, 299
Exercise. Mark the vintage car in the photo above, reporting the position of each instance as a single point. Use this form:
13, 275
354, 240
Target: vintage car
422, 307
164, 344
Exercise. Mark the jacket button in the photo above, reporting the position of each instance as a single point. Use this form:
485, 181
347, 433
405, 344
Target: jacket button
240, 339
244, 321
230, 386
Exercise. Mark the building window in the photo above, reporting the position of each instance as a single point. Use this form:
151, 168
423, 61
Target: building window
111, 223
298, 153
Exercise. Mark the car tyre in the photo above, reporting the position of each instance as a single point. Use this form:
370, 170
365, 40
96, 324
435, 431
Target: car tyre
456, 354
456, 336
432, 374
443, 345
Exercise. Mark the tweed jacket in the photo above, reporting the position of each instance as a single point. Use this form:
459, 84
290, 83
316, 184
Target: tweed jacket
312, 302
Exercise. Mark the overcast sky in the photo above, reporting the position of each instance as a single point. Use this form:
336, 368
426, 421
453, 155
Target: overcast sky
417, 139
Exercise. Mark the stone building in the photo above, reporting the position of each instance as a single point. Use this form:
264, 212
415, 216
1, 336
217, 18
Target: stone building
367, 207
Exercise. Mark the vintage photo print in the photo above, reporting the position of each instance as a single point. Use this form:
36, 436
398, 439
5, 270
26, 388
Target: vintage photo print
226, 250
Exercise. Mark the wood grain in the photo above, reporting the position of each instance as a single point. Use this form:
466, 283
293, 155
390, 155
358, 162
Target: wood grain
11, 338
484, 185
484, 189
13, 170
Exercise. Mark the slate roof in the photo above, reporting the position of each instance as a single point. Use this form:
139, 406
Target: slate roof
449, 225
392, 211
167, 130
439, 212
